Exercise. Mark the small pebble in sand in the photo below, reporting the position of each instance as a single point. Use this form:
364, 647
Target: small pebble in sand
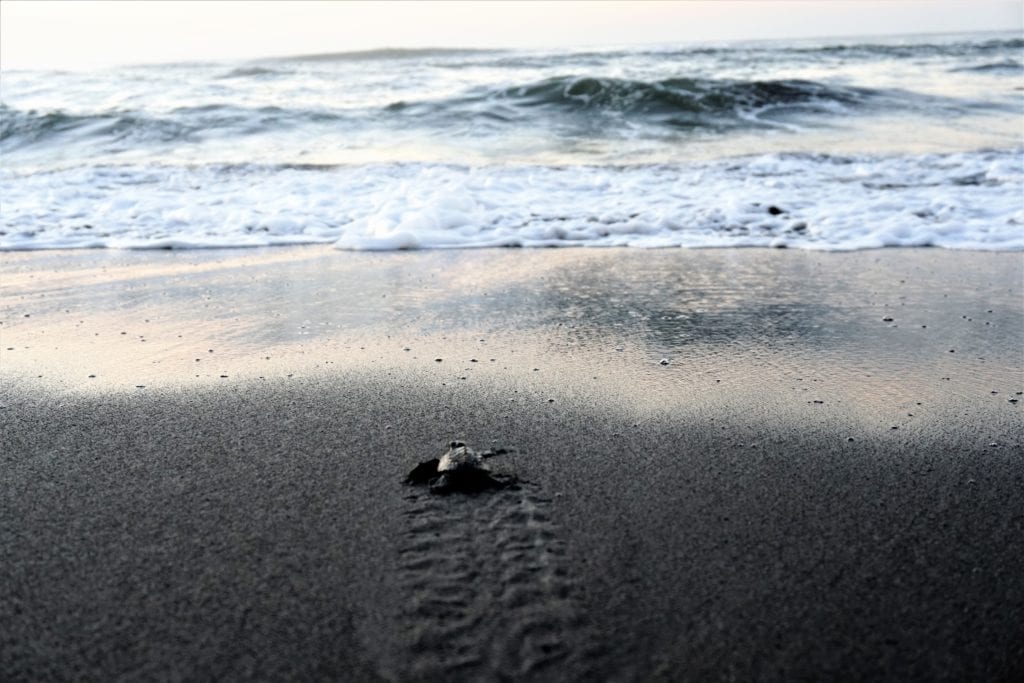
438, 360
1011, 400
849, 439
664, 361
887, 319
92, 376
994, 445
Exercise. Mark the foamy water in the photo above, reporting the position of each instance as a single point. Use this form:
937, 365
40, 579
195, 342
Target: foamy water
831, 145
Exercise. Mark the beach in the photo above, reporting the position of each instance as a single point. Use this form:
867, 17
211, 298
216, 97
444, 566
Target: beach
734, 464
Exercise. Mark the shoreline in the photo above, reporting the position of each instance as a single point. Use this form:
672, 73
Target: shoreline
800, 491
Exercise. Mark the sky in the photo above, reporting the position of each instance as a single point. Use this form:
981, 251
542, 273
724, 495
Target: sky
86, 34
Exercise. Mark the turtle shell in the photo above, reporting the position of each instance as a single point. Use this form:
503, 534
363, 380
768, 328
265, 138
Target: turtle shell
460, 458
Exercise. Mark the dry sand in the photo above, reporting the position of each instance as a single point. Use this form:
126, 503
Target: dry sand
202, 453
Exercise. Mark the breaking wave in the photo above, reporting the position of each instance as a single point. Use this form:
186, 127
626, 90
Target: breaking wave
675, 102
19, 129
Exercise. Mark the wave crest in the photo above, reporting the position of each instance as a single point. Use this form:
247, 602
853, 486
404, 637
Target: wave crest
676, 102
686, 94
19, 129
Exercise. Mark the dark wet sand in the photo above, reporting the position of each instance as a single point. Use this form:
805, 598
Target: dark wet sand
805, 490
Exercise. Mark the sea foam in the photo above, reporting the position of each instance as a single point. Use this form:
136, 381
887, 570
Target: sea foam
969, 200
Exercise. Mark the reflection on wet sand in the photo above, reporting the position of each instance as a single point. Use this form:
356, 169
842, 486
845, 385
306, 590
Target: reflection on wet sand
874, 331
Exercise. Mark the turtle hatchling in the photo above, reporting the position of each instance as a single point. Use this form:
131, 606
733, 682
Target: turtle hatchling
459, 470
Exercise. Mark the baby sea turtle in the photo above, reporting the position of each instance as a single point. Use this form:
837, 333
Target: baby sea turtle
459, 470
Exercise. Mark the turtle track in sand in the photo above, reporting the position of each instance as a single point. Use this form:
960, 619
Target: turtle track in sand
488, 593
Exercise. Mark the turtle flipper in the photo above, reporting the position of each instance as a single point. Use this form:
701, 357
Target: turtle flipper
471, 481
423, 473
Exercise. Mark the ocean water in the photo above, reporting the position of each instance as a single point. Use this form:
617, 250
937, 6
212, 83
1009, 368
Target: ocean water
830, 144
